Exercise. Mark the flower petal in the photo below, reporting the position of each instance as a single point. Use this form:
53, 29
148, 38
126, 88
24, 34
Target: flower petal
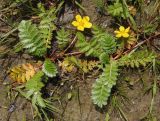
86, 18
78, 18
125, 35
127, 30
75, 23
121, 28
87, 24
116, 32
81, 28
118, 35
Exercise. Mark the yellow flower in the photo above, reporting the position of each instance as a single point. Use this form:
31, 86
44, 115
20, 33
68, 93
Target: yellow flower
82, 23
122, 32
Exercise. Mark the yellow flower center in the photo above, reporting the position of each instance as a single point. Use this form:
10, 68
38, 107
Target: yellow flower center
81, 23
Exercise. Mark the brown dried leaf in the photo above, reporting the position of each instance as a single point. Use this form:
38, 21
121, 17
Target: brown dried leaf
68, 65
22, 73
132, 40
132, 10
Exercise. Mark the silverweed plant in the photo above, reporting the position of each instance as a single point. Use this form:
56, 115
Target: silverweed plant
56, 48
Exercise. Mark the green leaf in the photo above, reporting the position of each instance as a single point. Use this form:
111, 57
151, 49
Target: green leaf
150, 28
35, 82
49, 68
115, 9
35, 39
62, 38
29, 93
34, 99
102, 44
40, 100
137, 59
104, 58
107, 42
46, 27
30, 38
102, 87
91, 48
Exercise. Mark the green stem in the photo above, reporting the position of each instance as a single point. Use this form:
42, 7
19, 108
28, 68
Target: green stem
126, 12
154, 89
